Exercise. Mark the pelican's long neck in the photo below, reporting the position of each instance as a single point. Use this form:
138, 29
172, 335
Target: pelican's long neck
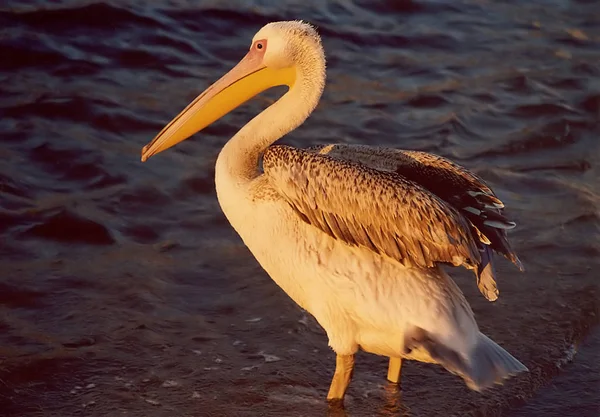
238, 160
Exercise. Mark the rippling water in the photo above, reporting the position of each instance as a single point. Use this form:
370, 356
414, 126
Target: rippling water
123, 289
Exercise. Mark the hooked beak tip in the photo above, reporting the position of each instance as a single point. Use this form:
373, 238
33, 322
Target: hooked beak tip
145, 155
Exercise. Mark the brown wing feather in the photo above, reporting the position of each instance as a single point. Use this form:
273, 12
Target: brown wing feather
453, 183
364, 206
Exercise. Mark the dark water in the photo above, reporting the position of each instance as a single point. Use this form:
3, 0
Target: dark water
123, 290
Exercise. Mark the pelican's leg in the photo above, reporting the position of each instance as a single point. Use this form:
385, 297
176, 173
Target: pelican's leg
394, 370
344, 367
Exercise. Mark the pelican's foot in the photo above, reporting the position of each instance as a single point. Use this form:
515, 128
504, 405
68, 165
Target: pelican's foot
335, 408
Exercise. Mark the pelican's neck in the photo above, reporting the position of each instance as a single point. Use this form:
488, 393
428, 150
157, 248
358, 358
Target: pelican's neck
239, 158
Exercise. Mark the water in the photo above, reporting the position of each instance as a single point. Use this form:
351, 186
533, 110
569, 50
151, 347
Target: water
123, 289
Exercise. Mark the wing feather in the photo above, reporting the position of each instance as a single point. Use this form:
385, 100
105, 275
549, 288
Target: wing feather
363, 206
454, 184
451, 182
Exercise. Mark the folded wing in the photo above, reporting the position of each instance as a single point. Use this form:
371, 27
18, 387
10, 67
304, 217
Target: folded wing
454, 184
373, 208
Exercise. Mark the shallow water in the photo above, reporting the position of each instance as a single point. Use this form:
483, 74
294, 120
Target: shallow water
123, 288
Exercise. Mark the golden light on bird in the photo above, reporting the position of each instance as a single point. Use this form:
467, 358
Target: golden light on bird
353, 234
247, 79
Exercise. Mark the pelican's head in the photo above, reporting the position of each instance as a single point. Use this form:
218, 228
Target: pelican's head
275, 58
286, 42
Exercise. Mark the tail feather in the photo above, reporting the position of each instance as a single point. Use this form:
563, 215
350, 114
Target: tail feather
490, 364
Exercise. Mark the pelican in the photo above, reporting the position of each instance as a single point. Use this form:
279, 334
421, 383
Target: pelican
355, 235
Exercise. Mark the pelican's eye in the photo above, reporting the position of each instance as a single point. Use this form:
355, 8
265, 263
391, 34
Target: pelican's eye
260, 44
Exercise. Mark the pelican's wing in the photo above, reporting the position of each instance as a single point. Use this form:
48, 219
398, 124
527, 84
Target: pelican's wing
375, 209
453, 183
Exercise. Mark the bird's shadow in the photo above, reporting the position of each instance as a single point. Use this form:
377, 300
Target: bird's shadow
391, 406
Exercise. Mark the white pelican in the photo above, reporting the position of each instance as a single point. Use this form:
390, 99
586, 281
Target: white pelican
354, 235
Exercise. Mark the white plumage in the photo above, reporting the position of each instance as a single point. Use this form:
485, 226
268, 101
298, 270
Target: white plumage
347, 232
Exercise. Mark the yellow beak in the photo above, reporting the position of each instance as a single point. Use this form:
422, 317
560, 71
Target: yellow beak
247, 79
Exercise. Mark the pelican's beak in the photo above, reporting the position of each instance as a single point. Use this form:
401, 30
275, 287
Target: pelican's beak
247, 79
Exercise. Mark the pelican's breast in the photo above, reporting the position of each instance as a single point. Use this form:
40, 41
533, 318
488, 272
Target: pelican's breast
358, 296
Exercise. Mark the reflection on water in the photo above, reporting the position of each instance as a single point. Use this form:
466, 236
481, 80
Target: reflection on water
391, 405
